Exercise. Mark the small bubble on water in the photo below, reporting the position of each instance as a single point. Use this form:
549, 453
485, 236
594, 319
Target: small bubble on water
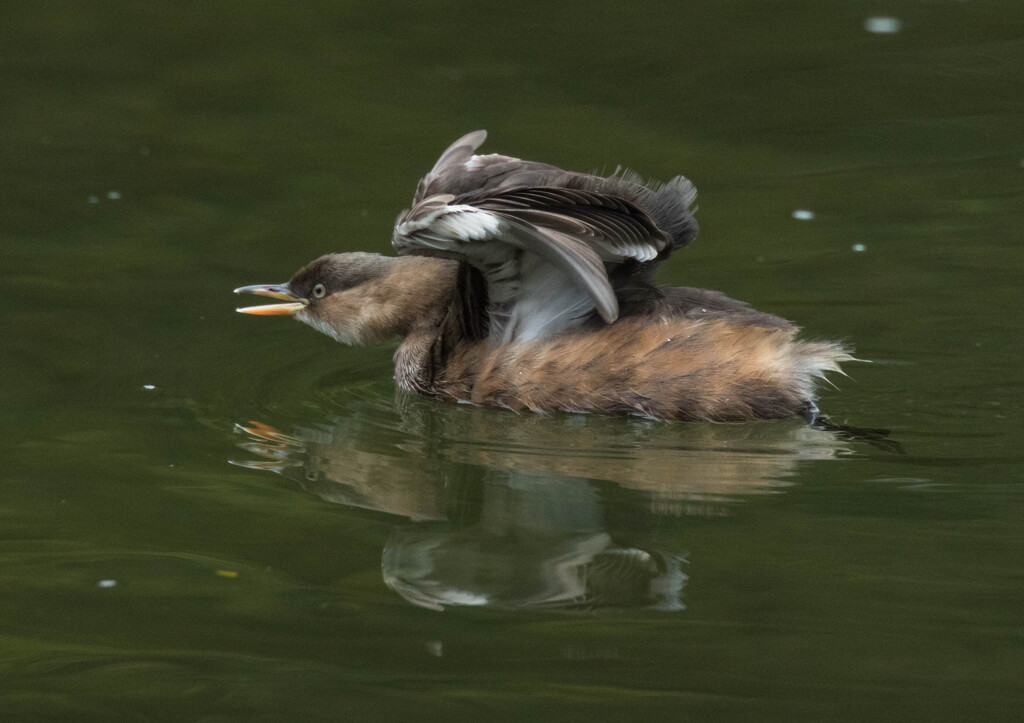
802, 214
149, 386
859, 248
883, 25
106, 583
114, 195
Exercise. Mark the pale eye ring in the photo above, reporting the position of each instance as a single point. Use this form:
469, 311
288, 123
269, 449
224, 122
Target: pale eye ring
319, 291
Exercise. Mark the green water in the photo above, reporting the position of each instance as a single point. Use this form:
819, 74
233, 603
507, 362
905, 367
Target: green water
271, 532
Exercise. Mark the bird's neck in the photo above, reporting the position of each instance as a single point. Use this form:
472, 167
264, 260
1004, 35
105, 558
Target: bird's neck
413, 296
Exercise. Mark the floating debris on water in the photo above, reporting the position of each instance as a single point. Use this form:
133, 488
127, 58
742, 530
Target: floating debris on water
107, 583
226, 573
802, 214
94, 199
883, 25
859, 247
149, 386
114, 195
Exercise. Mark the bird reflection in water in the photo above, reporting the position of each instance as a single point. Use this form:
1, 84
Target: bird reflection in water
516, 512
530, 543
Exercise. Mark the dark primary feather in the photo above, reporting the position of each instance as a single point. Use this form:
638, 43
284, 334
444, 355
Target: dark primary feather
615, 226
454, 157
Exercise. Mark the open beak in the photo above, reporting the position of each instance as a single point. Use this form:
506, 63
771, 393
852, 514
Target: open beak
274, 291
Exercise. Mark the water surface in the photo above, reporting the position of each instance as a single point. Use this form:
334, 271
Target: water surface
213, 517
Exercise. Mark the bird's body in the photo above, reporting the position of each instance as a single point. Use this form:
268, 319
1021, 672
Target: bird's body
528, 287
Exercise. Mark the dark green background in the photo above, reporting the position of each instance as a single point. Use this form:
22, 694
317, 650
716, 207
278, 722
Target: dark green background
826, 578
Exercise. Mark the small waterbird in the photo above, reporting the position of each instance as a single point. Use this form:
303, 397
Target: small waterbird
525, 286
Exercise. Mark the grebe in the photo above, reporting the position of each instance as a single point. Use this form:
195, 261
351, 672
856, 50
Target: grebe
524, 286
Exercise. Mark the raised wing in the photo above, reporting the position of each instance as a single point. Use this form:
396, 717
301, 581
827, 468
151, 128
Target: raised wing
543, 239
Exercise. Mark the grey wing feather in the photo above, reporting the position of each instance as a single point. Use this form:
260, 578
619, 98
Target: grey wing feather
462, 231
579, 262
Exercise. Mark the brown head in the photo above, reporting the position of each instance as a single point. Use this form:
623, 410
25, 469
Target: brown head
360, 297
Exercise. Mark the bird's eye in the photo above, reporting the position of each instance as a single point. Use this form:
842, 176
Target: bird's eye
319, 291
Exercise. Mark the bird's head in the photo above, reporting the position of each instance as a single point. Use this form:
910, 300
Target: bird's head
355, 297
